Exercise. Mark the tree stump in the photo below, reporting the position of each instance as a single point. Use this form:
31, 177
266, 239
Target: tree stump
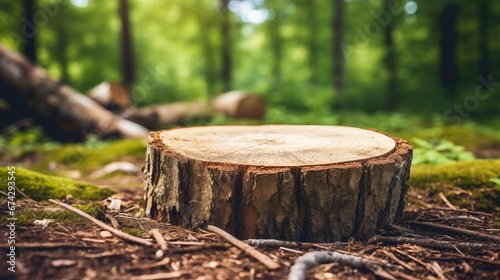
291, 182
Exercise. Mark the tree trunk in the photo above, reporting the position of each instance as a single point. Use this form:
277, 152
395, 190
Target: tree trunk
29, 29
312, 45
338, 55
276, 45
226, 46
448, 42
310, 183
62, 43
390, 61
65, 114
126, 44
484, 17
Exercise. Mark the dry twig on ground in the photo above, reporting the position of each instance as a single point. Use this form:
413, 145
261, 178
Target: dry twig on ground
264, 259
118, 233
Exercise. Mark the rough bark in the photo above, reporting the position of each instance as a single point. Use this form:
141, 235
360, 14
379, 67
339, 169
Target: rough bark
64, 113
310, 183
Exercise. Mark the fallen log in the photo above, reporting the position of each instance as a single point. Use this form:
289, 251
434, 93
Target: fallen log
112, 96
236, 104
308, 183
64, 113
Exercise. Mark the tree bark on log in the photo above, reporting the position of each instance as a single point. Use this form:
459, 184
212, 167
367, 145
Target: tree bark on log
64, 113
235, 104
309, 183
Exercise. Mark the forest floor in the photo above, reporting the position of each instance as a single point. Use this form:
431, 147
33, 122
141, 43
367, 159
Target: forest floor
419, 247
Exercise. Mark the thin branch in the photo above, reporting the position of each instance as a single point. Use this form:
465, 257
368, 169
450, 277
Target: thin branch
446, 201
453, 257
162, 275
118, 233
48, 245
264, 259
435, 244
456, 210
312, 259
275, 243
458, 230
159, 239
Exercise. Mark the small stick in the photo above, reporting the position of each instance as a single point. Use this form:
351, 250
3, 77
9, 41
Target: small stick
457, 210
446, 201
113, 221
458, 230
47, 245
435, 244
159, 238
118, 233
274, 243
264, 259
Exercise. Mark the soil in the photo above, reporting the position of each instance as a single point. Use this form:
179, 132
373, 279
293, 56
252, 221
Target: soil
78, 251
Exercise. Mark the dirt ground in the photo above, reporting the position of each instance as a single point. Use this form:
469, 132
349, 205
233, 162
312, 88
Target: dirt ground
79, 250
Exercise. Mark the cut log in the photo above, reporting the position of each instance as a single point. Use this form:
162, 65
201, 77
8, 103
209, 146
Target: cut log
238, 105
309, 183
64, 113
112, 96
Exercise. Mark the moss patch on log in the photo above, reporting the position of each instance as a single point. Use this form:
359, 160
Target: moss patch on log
43, 187
465, 184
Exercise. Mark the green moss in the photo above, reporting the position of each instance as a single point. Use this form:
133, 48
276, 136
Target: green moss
465, 184
467, 175
26, 217
42, 187
87, 157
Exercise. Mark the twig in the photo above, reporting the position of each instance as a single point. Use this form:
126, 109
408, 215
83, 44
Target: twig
446, 201
159, 238
162, 275
118, 233
458, 230
457, 210
54, 245
144, 266
207, 246
435, 244
453, 257
113, 220
309, 260
274, 243
400, 262
264, 259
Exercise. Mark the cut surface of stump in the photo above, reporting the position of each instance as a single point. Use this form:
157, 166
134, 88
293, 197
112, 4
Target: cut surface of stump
293, 182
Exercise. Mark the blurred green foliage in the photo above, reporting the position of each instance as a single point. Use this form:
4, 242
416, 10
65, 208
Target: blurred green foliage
177, 50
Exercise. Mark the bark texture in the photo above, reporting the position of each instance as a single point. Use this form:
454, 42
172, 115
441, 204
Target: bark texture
309, 183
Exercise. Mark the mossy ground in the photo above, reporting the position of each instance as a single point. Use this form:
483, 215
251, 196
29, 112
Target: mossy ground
465, 184
89, 157
26, 216
41, 187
